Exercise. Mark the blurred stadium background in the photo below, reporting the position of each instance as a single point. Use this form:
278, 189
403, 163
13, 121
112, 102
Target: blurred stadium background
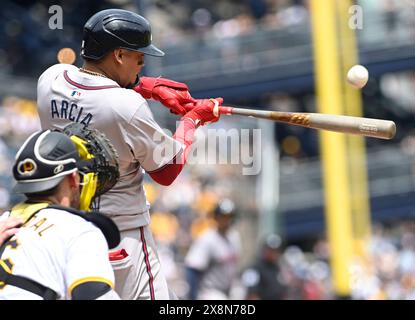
256, 53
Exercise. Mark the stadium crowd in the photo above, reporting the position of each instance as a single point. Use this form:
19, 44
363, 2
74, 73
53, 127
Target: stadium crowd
179, 215
26, 31
388, 273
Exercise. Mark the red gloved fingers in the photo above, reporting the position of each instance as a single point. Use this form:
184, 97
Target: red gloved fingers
171, 94
165, 83
147, 85
172, 98
189, 106
182, 96
205, 110
174, 106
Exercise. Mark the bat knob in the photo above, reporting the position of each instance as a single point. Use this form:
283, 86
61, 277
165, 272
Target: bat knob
225, 110
216, 107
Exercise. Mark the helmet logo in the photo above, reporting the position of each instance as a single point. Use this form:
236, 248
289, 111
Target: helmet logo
26, 167
58, 169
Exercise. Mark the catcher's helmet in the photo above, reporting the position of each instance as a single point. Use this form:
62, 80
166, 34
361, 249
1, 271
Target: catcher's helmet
115, 28
43, 161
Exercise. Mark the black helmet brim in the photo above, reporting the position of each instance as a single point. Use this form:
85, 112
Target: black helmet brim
151, 50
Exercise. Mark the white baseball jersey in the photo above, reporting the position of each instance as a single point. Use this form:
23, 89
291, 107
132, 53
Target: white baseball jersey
58, 250
217, 257
66, 95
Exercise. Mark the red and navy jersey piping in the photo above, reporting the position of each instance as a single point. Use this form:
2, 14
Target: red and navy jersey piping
84, 87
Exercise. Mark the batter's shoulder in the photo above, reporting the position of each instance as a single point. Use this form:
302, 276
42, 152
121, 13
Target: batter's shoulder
126, 102
53, 71
129, 96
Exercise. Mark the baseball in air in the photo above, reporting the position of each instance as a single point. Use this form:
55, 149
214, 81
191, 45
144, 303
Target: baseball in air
358, 76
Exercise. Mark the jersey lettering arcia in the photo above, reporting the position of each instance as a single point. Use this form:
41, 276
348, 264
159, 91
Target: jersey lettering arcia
70, 111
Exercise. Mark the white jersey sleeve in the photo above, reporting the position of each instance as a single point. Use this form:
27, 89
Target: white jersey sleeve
151, 146
87, 260
199, 255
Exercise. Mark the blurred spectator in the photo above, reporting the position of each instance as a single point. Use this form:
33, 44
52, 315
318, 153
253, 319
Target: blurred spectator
212, 260
18, 119
263, 279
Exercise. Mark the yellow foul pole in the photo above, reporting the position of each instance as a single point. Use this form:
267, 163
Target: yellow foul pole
356, 144
332, 145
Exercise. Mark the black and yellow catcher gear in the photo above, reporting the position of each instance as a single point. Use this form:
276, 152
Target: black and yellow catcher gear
98, 165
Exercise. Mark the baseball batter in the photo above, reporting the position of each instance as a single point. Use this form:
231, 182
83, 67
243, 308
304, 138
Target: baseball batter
56, 253
101, 95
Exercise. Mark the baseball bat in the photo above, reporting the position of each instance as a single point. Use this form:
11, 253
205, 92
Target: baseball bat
376, 128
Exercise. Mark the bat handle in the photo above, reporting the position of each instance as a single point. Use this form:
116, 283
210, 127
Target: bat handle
225, 110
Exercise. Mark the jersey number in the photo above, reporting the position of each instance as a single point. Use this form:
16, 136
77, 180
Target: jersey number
7, 263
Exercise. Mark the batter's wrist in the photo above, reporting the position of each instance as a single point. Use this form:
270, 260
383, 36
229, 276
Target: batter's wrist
195, 122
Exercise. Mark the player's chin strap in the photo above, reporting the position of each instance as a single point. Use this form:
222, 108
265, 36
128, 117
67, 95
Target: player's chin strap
26, 211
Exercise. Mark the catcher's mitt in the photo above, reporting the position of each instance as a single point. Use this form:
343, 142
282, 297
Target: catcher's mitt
99, 159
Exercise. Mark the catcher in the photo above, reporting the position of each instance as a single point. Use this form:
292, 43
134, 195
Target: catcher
60, 252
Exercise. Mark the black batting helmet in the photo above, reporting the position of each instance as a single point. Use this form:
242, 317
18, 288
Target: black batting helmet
115, 28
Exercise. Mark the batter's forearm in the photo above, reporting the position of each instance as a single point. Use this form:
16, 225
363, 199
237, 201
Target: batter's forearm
168, 173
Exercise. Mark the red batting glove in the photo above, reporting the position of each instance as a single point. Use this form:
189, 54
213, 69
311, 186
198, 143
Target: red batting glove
174, 95
205, 111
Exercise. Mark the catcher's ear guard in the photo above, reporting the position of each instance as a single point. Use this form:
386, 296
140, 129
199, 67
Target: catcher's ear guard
89, 181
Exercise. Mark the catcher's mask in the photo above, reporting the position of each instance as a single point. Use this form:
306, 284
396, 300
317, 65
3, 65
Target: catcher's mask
98, 165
